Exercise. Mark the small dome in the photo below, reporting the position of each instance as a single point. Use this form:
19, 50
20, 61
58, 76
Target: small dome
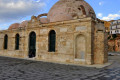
70, 9
14, 26
44, 20
24, 24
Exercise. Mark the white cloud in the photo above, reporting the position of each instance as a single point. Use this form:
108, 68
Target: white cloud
14, 10
111, 17
101, 3
99, 15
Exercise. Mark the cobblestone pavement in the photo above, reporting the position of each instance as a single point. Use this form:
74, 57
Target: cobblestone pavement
17, 69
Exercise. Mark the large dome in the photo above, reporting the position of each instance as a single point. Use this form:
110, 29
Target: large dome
70, 9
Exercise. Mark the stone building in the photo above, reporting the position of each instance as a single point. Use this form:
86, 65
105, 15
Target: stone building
114, 44
70, 33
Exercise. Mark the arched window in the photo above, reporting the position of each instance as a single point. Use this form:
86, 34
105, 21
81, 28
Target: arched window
83, 9
6, 41
17, 39
52, 41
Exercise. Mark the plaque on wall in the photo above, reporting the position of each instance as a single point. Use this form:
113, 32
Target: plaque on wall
81, 28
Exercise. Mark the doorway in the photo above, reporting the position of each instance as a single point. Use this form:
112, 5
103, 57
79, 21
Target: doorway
32, 45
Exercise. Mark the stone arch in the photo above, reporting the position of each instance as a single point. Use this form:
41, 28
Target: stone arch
6, 41
80, 47
17, 40
45, 14
52, 41
32, 44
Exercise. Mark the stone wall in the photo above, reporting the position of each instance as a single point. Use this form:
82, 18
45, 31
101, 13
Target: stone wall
100, 42
111, 45
114, 45
117, 45
68, 35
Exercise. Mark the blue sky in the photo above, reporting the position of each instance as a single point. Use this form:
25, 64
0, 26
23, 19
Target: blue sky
16, 11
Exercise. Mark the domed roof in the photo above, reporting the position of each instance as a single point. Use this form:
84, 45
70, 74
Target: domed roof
14, 26
44, 20
24, 24
70, 9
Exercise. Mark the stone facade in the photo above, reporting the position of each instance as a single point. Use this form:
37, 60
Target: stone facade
77, 41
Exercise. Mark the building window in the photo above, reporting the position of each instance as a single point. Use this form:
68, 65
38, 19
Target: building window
116, 22
111, 27
5, 41
117, 30
17, 38
52, 41
111, 22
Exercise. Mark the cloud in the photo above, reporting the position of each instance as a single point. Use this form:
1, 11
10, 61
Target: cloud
101, 3
15, 10
99, 15
3, 27
111, 17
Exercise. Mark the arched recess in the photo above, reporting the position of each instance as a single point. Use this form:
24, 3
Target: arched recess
17, 39
6, 41
52, 41
83, 9
32, 44
80, 47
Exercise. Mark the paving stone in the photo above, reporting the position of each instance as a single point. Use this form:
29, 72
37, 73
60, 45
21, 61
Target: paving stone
17, 69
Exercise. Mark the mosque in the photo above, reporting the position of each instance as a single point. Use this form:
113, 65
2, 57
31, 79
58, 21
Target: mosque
68, 33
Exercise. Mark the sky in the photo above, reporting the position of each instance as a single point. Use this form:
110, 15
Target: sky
16, 11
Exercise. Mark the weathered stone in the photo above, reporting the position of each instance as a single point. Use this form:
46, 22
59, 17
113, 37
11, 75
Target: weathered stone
79, 41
